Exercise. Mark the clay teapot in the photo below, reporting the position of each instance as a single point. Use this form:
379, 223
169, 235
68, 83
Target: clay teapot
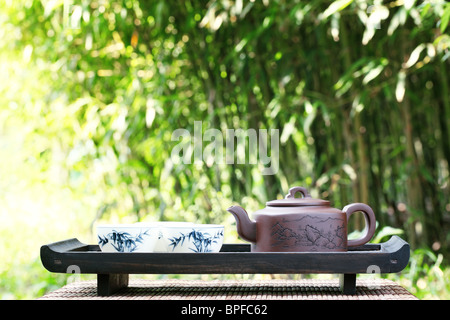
301, 225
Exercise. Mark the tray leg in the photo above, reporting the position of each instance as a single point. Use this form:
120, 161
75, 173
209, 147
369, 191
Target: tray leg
347, 283
107, 284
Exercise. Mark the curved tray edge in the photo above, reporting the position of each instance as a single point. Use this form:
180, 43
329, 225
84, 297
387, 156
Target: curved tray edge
399, 251
50, 253
65, 245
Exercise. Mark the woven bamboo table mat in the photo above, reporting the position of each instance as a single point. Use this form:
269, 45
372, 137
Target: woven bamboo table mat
175, 289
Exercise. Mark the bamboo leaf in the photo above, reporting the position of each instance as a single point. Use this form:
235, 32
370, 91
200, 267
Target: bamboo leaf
400, 89
311, 114
372, 74
348, 169
288, 130
346, 81
335, 7
51, 5
387, 231
414, 57
373, 22
431, 50
368, 34
409, 4
442, 43
445, 19
397, 20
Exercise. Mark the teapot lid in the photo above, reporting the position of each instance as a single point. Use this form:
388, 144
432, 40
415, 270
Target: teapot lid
291, 201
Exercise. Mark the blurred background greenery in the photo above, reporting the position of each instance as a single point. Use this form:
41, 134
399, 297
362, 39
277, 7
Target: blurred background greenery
91, 91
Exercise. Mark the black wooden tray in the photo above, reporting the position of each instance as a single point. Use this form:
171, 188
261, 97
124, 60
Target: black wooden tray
112, 269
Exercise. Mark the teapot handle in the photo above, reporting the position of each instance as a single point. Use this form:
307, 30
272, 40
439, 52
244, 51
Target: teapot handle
369, 217
294, 190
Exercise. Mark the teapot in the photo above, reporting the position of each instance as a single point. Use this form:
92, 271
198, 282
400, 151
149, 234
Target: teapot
301, 225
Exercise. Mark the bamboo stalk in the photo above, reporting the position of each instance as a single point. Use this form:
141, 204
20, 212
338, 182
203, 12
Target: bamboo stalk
444, 111
414, 192
349, 134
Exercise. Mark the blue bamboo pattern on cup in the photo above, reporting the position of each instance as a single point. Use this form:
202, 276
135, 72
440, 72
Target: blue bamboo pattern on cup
123, 241
202, 241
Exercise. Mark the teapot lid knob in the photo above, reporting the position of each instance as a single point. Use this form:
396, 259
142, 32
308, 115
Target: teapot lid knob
291, 201
294, 190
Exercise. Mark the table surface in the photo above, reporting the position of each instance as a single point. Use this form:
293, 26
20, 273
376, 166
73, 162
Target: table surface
176, 289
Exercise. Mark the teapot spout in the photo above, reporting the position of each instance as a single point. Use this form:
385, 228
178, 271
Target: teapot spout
246, 228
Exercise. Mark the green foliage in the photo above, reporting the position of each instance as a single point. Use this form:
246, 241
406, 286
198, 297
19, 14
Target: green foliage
92, 91
425, 276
